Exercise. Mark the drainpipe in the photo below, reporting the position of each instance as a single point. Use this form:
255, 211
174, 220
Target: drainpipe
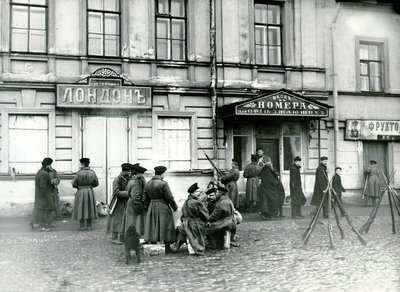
335, 86
213, 84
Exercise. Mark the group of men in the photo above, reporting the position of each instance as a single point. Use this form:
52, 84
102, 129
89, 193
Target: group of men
148, 207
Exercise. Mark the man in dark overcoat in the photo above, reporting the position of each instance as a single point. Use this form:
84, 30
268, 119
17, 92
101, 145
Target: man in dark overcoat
229, 180
120, 198
252, 173
55, 181
158, 200
85, 201
373, 188
135, 213
297, 198
338, 187
320, 186
44, 197
221, 219
269, 191
194, 218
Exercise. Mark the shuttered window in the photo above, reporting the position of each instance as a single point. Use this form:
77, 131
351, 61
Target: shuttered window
28, 142
174, 143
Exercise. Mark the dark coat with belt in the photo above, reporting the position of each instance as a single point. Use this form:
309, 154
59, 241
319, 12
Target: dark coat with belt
193, 227
159, 201
320, 185
135, 213
337, 185
296, 191
229, 180
222, 217
270, 192
121, 194
85, 201
44, 196
252, 172
373, 184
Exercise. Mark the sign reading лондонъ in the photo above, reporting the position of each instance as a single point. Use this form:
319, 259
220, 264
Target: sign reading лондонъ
103, 93
373, 130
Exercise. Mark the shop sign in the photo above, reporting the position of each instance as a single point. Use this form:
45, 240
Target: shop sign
103, 93
281, 104
373, 130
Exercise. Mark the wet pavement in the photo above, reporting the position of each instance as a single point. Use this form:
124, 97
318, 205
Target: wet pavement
271, 257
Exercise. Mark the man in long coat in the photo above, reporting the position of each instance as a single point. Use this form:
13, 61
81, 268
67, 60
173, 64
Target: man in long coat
55, 181
297, 198
44, 200
320, 186
119, 200
372, 190
252, 173
194, 218
135, 214
221, 219
338, 187
229, 180
269, 191
158, 200
85, 201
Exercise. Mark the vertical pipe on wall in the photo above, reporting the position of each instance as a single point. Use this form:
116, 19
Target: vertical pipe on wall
213, 83
335, 87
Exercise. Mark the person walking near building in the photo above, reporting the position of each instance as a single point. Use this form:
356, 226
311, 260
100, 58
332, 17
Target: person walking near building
85, 202
135, 214
320, 187
194, 218
297, 198
44, 197
229, 180
338, 187
252, 172
119, 200
373, 189
158, 200
269, 191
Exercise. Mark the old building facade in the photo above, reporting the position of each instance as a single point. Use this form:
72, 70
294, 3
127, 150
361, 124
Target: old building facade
121, 81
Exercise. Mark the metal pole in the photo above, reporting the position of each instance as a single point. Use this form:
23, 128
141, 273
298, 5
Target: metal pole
213, 84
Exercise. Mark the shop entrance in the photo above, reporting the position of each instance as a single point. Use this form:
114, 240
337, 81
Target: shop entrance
271, 149
105, 141
374, 150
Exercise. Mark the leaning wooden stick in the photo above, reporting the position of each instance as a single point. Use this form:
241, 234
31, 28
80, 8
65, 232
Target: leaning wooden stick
307, 234
396, 202
338, 222
392, 212
359, 236
330, 229
371, 218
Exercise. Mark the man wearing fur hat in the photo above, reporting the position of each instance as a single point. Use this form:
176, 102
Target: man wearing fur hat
120, 198
158, 200
194, 218
44, 200
229, 180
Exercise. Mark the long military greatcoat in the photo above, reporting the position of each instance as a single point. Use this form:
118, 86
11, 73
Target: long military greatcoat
44, 199
194, 218
135, 213
229, 180
222, 217
85, 201
321, 183
296, 191
269, 192
158, 200
252, 172
373, 184
120, 192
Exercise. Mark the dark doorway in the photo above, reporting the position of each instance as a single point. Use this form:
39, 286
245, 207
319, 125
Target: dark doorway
374, 150
271, 149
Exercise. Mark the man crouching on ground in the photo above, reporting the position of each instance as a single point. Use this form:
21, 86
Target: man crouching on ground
194, 218
221, 219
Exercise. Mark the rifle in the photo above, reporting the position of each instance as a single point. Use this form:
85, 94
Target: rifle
219, 173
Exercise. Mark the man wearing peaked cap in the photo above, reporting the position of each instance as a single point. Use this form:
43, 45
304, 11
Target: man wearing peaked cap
84, 161
158, 200
252, 173
140, 169
296, 190
118, 204
320, 185
47, 161
194, 218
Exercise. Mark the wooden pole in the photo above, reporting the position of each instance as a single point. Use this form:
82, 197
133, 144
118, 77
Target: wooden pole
329, 217
392, 212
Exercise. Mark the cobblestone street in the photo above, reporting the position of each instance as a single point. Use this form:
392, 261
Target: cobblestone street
271, 257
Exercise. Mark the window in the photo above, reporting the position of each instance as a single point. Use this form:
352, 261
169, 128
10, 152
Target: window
291, 143
268, 31
242, 144
28, 26
171, 29
103, 27
174, 148
370, 66
28, 141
